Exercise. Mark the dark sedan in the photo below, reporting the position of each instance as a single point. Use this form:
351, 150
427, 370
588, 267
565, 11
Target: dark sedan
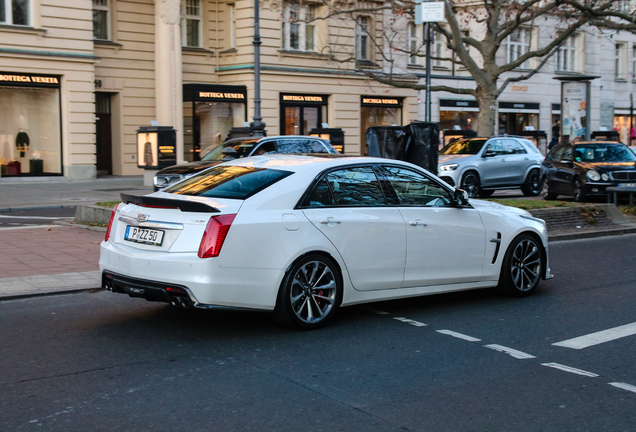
242, 147
586, 169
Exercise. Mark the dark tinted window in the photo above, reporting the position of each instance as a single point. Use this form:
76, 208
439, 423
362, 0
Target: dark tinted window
228, 182
556, 153
467, 146
242, 148
356, 187
415, 189
321, 195
301, 146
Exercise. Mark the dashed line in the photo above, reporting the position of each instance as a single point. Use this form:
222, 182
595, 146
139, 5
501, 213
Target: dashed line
410, 321
624, 386
458, 335
512, 352
598, 337
570, 369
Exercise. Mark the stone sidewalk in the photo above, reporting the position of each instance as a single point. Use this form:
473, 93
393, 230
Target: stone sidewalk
48, 259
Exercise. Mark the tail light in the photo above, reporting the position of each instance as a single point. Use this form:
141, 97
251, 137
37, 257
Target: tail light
214, 235
110, 222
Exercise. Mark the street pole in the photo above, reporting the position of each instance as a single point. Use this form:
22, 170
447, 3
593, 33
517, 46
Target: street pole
258, 127
427, 38
631, 117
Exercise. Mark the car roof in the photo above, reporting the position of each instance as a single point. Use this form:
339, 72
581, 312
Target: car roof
317, 162
265, 139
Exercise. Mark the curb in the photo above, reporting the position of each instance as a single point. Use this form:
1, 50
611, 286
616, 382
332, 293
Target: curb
44, 207
82, 226
591, 234
49, 293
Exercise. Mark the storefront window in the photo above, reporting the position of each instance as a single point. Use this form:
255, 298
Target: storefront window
515, 123
458, 120
302, 113
30, 139
622, 126
208, 126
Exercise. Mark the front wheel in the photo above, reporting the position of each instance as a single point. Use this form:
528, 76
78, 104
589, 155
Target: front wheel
532, 185
545, 190
522, 266
470, 183
577, 193
310, 294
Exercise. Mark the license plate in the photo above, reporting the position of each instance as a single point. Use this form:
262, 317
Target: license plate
630, 185
144, 235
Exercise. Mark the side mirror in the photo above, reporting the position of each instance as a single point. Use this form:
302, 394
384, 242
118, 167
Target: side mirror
489, 153
229, 154
460, 197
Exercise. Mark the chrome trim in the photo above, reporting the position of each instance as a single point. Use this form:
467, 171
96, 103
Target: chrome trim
151, 224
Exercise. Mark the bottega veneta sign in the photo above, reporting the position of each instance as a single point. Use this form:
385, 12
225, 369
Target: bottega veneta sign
29, 79
218, 95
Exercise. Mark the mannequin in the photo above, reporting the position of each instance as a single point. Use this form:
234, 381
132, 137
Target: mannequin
22, 142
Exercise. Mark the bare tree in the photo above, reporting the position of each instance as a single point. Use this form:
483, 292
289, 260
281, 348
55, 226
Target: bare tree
474, 34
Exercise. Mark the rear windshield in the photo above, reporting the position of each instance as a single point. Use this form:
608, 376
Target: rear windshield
226, 181
467, 146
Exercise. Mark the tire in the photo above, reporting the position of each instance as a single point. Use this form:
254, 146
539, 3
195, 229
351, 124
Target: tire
577, 191
545, 190
470, 183
522, 266
310, 293
532, 185
485, 193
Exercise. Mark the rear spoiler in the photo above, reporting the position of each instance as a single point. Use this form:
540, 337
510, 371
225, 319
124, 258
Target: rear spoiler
183, 205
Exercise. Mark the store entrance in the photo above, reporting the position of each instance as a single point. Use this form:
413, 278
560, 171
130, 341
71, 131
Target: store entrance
103, 134
300, 120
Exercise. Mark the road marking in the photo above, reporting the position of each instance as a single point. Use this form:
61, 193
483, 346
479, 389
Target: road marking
375, 311
624, 386
512, 352
459, 335
569, 369
598, 337
410, 321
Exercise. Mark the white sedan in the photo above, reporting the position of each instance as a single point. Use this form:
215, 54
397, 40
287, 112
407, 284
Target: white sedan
302, 236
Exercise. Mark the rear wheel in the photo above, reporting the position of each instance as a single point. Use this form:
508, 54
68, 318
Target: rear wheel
545, 190
532, 185
577, 192
470, 183
310, 294
522, 266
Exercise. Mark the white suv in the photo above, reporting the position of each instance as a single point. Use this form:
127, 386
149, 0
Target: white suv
482, 165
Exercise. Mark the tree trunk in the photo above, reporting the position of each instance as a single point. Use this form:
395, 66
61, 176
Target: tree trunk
487, 116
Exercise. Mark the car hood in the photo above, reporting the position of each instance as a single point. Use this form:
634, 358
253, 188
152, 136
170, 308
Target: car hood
608, 166
450, 158
188, 167
489, 205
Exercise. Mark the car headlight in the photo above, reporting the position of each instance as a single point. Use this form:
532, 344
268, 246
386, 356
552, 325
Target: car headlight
605, 177
593, 175
450, 167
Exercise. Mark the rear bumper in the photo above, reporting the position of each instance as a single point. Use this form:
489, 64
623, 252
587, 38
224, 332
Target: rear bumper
150, 274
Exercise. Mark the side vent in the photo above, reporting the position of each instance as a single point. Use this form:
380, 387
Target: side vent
498, 241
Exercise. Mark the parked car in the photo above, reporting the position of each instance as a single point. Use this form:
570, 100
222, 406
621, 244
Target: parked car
303, 235
594, 166
242, 147
480, 166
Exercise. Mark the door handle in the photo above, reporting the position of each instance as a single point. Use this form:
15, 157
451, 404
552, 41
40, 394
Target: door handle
503, 160
328, 221
417, 223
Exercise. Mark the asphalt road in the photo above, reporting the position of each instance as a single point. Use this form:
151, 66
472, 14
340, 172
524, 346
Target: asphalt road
471, 361
35, 217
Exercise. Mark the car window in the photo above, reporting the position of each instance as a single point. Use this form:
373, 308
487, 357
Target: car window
315, 146
567, 154
243, 148
530, 146
355, 187
321, 195
227, 181
465, 146
556, 153
496, 146
416, 189
266, 147
513, 147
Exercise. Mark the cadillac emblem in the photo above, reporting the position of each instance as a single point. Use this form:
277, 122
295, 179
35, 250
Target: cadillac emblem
142, 217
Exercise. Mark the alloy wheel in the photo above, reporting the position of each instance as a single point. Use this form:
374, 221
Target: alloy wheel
526, 265
313, 292
470, 183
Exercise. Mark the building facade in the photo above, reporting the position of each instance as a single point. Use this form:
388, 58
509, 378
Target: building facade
79, 79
